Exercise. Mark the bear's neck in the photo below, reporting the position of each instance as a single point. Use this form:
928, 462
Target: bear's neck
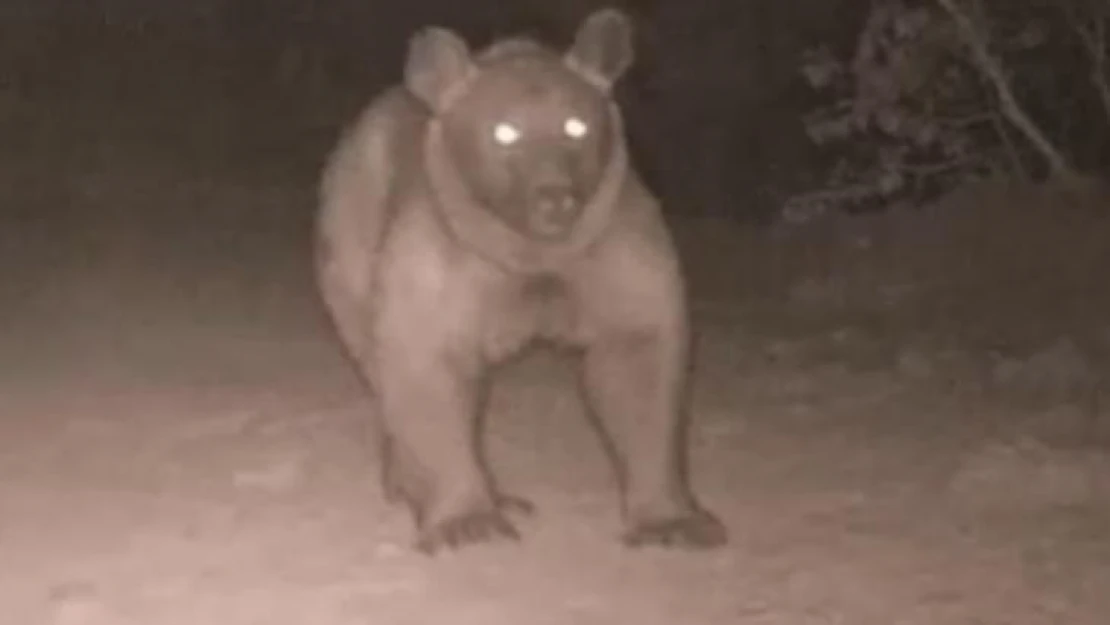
476, 227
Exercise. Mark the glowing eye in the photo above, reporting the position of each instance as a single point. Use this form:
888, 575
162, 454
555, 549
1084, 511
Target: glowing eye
506, 134
575, 128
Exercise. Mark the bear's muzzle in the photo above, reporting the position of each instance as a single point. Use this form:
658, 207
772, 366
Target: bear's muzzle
553, 211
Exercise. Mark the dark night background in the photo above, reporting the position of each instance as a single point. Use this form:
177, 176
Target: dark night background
714, 101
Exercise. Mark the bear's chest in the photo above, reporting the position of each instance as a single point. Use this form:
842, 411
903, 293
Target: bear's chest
532, 308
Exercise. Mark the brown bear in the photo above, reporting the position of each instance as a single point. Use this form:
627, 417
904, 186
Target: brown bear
485, 204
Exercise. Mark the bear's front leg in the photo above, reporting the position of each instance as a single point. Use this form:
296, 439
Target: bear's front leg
635, 377
429, 381
428, 402
633, 383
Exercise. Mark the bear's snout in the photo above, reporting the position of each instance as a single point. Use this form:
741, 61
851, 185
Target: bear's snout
552, 210
552, 202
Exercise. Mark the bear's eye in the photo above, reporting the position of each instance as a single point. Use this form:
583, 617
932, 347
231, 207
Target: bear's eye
575, 128
506, 133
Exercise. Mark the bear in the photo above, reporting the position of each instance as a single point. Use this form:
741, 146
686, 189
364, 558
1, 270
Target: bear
486, 204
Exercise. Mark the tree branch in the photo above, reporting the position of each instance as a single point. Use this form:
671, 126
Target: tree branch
992, 70
1093, 36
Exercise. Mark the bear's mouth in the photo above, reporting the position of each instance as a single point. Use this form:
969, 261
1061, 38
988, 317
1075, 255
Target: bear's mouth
553, 218
550, 228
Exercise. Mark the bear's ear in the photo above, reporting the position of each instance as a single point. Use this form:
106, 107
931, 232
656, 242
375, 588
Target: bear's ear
438, 65
602, 49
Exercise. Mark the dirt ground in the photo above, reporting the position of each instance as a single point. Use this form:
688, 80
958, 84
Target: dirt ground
901, 419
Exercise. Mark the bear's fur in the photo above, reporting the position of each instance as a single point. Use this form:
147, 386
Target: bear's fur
485, 203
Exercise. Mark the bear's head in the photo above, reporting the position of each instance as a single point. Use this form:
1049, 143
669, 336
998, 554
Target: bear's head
529, 135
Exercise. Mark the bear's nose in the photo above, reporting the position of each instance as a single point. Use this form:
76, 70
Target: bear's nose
555, 201
553, 210
557, 206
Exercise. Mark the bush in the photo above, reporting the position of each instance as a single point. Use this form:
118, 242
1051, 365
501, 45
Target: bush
930, 97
